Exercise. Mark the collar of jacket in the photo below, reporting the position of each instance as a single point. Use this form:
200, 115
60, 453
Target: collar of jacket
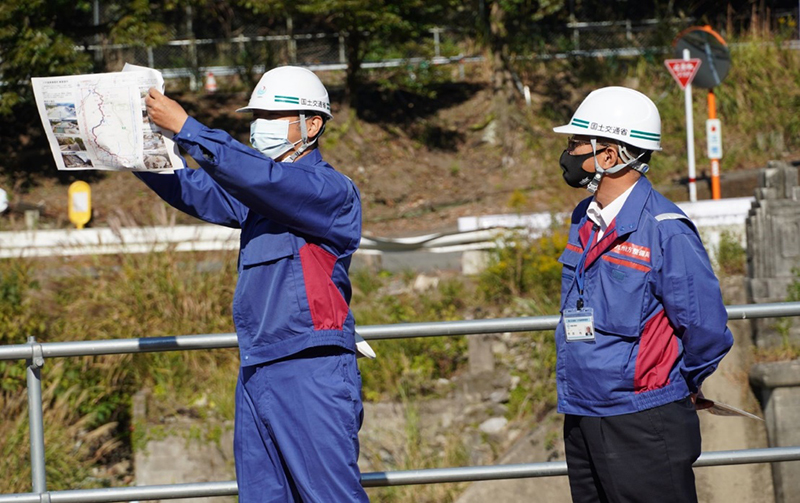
628, 217
627, 221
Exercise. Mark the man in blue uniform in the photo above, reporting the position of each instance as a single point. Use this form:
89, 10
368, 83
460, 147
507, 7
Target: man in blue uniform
643, 323
298, 398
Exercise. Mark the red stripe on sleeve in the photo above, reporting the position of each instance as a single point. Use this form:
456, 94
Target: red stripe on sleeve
574, 248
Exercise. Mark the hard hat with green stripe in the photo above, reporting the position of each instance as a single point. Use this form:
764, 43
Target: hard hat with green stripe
290, 88
617, 113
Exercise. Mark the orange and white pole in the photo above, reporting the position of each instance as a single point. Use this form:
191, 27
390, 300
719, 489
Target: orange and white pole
714, 153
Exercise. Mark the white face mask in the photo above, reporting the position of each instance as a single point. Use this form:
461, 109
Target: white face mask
271, 137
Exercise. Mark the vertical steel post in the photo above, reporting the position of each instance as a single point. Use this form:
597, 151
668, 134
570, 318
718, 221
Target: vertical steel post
687, 93
98, 41
193, 61
35, 416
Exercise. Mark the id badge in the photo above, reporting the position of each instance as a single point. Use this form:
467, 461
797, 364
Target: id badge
579, 324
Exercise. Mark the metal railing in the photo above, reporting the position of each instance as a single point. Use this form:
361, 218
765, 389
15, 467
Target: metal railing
35, 354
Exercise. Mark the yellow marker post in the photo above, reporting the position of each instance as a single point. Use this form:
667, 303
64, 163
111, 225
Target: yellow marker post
80, 203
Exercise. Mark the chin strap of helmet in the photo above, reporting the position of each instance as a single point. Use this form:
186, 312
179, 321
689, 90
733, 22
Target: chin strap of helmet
599, 171
634, 163
304, 138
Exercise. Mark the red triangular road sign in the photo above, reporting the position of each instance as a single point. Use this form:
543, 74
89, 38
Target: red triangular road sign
683, 70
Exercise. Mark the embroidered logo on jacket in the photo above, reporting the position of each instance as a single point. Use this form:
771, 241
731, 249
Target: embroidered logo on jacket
633, 251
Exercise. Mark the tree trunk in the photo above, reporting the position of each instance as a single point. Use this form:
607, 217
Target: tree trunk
502, 81
353, 48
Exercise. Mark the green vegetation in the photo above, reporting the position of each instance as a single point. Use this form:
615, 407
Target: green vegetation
731, 257
409, 367
788, 349
526, 268
419, 455
88, 400
758, 125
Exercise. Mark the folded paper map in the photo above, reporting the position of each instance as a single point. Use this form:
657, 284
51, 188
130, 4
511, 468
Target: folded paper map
99, 121
722, 409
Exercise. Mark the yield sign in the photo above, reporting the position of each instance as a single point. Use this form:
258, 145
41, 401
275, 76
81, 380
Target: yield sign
683, 70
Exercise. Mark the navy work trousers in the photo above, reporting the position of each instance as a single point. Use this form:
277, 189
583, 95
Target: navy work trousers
296, 431
643, 457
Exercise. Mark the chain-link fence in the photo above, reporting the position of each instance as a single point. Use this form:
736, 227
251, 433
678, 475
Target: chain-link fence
243, 55
624, 34
250, 54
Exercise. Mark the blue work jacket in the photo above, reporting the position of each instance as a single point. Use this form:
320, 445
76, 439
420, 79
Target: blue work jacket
301, 224
659, 320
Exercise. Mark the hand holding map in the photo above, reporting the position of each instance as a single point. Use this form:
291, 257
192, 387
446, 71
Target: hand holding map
99, 121
165, 112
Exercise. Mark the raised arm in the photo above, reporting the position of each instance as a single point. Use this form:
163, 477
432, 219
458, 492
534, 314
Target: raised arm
196, 194
191, 191
309, 197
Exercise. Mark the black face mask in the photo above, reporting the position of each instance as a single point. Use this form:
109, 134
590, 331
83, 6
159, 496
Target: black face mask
572, 170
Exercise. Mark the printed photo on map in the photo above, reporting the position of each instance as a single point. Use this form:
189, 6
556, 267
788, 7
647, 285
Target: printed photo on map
154, 140
156, 161
69, 126
60, 110
77, 160
70, 143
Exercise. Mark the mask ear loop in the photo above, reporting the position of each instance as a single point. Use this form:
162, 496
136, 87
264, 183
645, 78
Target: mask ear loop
598, 171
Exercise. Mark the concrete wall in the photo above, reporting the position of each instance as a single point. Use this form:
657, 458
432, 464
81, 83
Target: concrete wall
773, 251
177, 450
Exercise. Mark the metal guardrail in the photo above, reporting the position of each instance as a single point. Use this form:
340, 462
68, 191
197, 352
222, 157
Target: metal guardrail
35, 353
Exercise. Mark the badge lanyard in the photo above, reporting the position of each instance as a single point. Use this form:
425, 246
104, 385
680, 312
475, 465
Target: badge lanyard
581, 270
579, 322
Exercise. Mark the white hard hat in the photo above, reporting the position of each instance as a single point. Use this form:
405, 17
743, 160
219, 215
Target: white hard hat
289, 88
618, 113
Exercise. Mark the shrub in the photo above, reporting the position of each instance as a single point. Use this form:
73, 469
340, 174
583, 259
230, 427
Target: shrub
523, 267
731, 255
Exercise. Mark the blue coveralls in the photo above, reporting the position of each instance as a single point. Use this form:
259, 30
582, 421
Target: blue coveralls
298, 398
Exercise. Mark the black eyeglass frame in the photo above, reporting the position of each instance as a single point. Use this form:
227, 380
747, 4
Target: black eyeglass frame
572, 144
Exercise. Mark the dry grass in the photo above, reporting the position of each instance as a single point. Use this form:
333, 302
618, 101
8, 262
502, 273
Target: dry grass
87, 399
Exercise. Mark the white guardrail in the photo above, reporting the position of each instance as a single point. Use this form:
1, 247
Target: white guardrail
473, 233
